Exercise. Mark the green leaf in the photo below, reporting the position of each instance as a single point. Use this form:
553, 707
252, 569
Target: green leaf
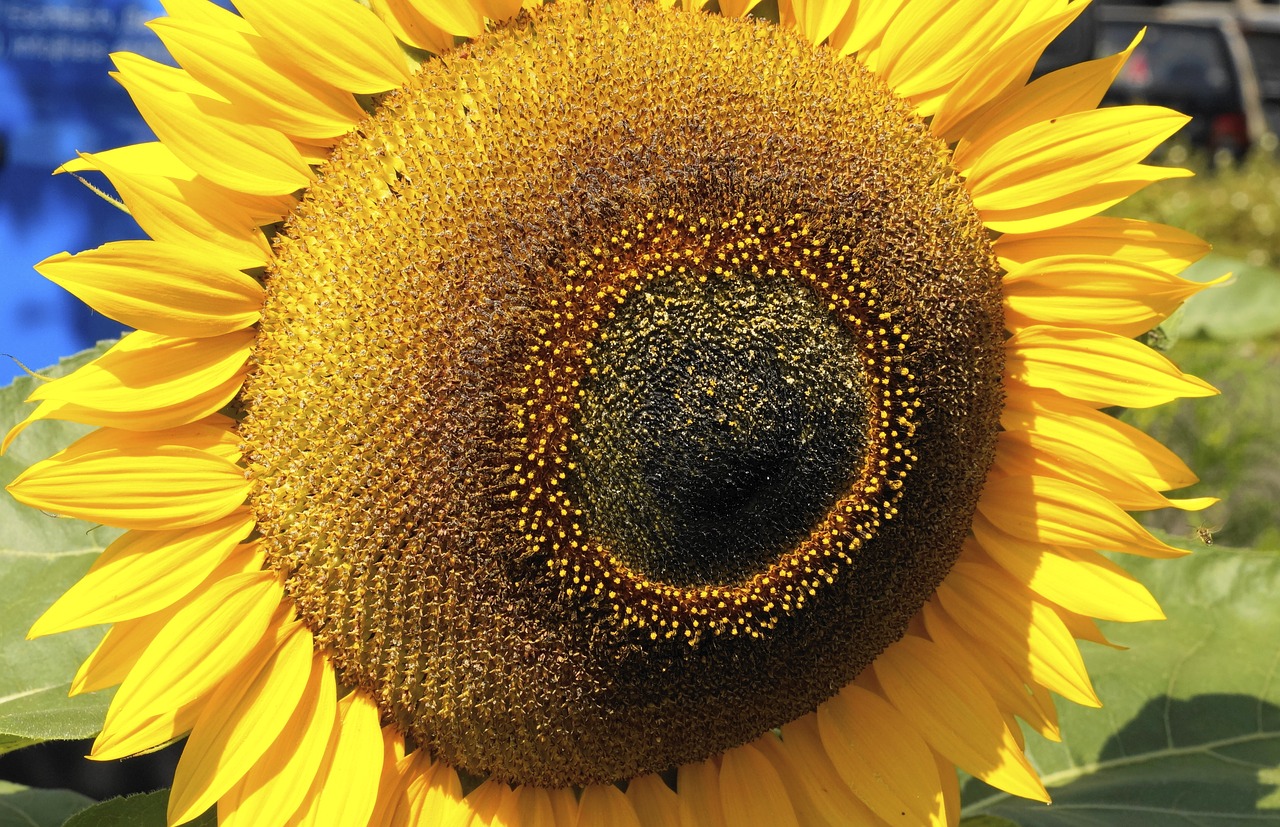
1190, 728
147, 810
1244, 308
27, 807
40, 557
987, 821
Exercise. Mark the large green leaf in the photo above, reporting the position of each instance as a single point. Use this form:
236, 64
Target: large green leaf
1244, 308
40, 556
26, 807
1190, 729
134, 811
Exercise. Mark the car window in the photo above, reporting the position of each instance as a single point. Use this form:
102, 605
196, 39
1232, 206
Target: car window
1176, 64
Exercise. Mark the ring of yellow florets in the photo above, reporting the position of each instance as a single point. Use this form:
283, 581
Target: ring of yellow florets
553, 524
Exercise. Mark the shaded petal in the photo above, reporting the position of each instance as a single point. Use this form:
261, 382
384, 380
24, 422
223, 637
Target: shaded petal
431, 795
1100, 368
1028, 634
881, 757
818, 793
240, 722
751, 791
605, 804
346, 785
1106, 438
953, 712
698, 786
1058, 513
276, 786
655, 803
159, 287
1007, 688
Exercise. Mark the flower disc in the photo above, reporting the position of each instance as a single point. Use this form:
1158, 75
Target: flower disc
607, 416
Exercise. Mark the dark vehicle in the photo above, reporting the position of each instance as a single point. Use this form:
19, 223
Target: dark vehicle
1217, 62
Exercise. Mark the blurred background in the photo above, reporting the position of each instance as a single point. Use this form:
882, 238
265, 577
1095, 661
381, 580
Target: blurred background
1216, 61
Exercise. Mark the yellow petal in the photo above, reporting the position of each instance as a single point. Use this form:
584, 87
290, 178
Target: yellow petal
125, 642
227, 210
144, 572
1007, 689
605, 804
1059, 513
817, 19
432, 795
1066, 154
737, 8
927, 48
1006, 66
698, 786
1080, 204
1076, 88
751, 792
346, 786
1167, 249
1107, 438
151, 382
1026, 453
231, 59
1097, 292
528, 807
158, 287
341, 43
241, 721
818, 793
202, 130
881, 757
1003, 614
165, 480
1100, 368
482, 804
655, 803
1081, 580
199, 646
949, 707
277, 785
864, 23
391, 779
183, 211
408, 22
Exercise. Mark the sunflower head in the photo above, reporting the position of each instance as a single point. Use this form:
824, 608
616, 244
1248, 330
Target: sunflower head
627, 389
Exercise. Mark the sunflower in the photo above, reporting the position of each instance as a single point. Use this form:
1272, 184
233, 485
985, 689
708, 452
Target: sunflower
612, 413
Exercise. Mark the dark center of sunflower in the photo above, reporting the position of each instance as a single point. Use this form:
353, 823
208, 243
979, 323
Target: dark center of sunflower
624, 387
721, 420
